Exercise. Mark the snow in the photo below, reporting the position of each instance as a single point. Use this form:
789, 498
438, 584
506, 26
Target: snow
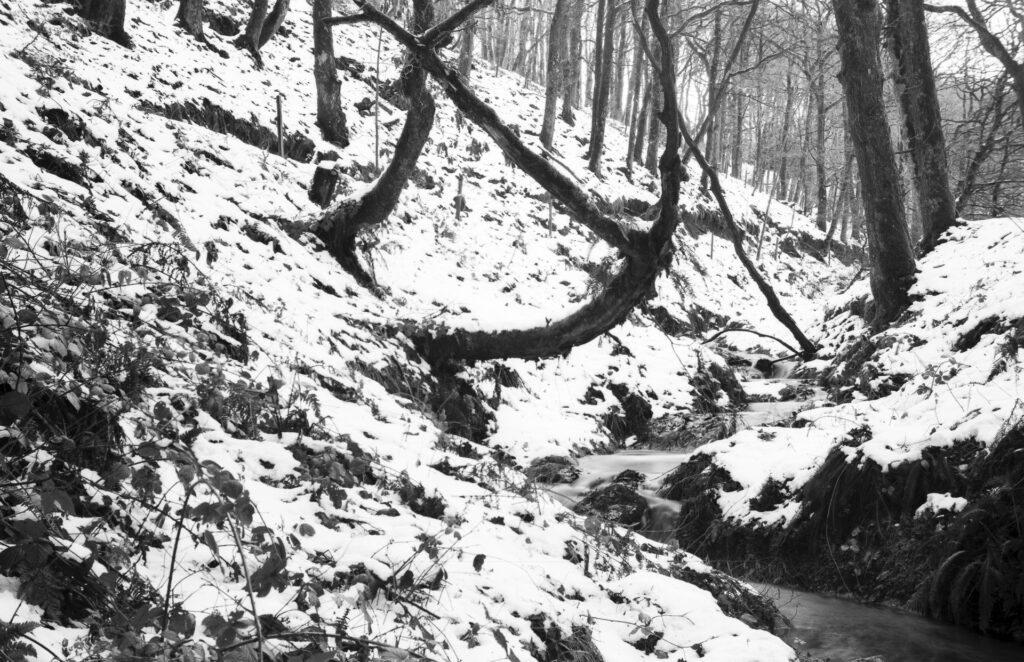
936, 502
222, 210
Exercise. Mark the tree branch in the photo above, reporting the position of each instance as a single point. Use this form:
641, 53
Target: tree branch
780, 313
439, 31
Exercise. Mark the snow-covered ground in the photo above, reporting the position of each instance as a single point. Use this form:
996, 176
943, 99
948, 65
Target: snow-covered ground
173, 239
947, 371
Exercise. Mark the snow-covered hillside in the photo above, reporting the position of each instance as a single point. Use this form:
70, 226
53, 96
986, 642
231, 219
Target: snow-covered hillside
195, 401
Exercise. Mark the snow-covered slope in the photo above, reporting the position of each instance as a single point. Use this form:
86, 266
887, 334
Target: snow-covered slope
195, 402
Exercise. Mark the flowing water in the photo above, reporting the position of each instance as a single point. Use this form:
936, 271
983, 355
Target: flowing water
828, 628
841, 630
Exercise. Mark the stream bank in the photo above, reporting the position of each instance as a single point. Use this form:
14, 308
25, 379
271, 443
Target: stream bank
852, 528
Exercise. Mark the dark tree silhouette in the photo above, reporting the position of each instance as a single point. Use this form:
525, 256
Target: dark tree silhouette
107, 18
891, 255
263, 24
190, 18
644, 253
329, 115
915, 83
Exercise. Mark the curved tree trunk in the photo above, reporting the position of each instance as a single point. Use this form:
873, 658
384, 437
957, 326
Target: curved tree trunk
892, 258
908, 39
329, 115
107, 18
190, 17
646, 253
340, 225
632, 285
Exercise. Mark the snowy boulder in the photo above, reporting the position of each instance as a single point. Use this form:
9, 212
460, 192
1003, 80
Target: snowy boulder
553, 469
616, 502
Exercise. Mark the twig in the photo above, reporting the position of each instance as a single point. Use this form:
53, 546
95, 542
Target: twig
756, 333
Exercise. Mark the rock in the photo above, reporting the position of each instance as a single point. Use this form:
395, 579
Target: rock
630, 477
617, 502
553, 469
682, 431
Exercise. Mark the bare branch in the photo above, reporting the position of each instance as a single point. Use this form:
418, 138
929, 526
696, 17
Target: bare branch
436, 33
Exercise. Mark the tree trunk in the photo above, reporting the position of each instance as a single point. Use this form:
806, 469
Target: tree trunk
107, 18
329, 115
787, 118
466, 50
641, 125
915, 84
892, 258
632, 285
263, 24
556, 54
274, 22
341, 224
807, 348
572, 62
818, 93
603, 90
190, 17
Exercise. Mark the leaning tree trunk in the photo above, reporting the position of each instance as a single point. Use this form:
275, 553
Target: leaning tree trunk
341, 224
915, 83
633, 284
891, 255
190, 17
107, 18
807, 348
556, 55
329, 115
645, 253
263, 24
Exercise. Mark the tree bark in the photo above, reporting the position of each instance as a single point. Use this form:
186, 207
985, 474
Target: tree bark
329, 115
787, 118
466, 50
263, 24
915, 84
602, 92
572, 62
891, 255
107, 18
190, 17
630, 286
553, 85
341, 224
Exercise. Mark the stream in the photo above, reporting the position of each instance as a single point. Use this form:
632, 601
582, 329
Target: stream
828, 628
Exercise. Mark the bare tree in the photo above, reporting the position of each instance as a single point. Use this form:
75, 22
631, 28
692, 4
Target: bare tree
915, 84
892, 259
555, 69
602, 86
329, 115
644, 253
991, 42
263, 24
342, 223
